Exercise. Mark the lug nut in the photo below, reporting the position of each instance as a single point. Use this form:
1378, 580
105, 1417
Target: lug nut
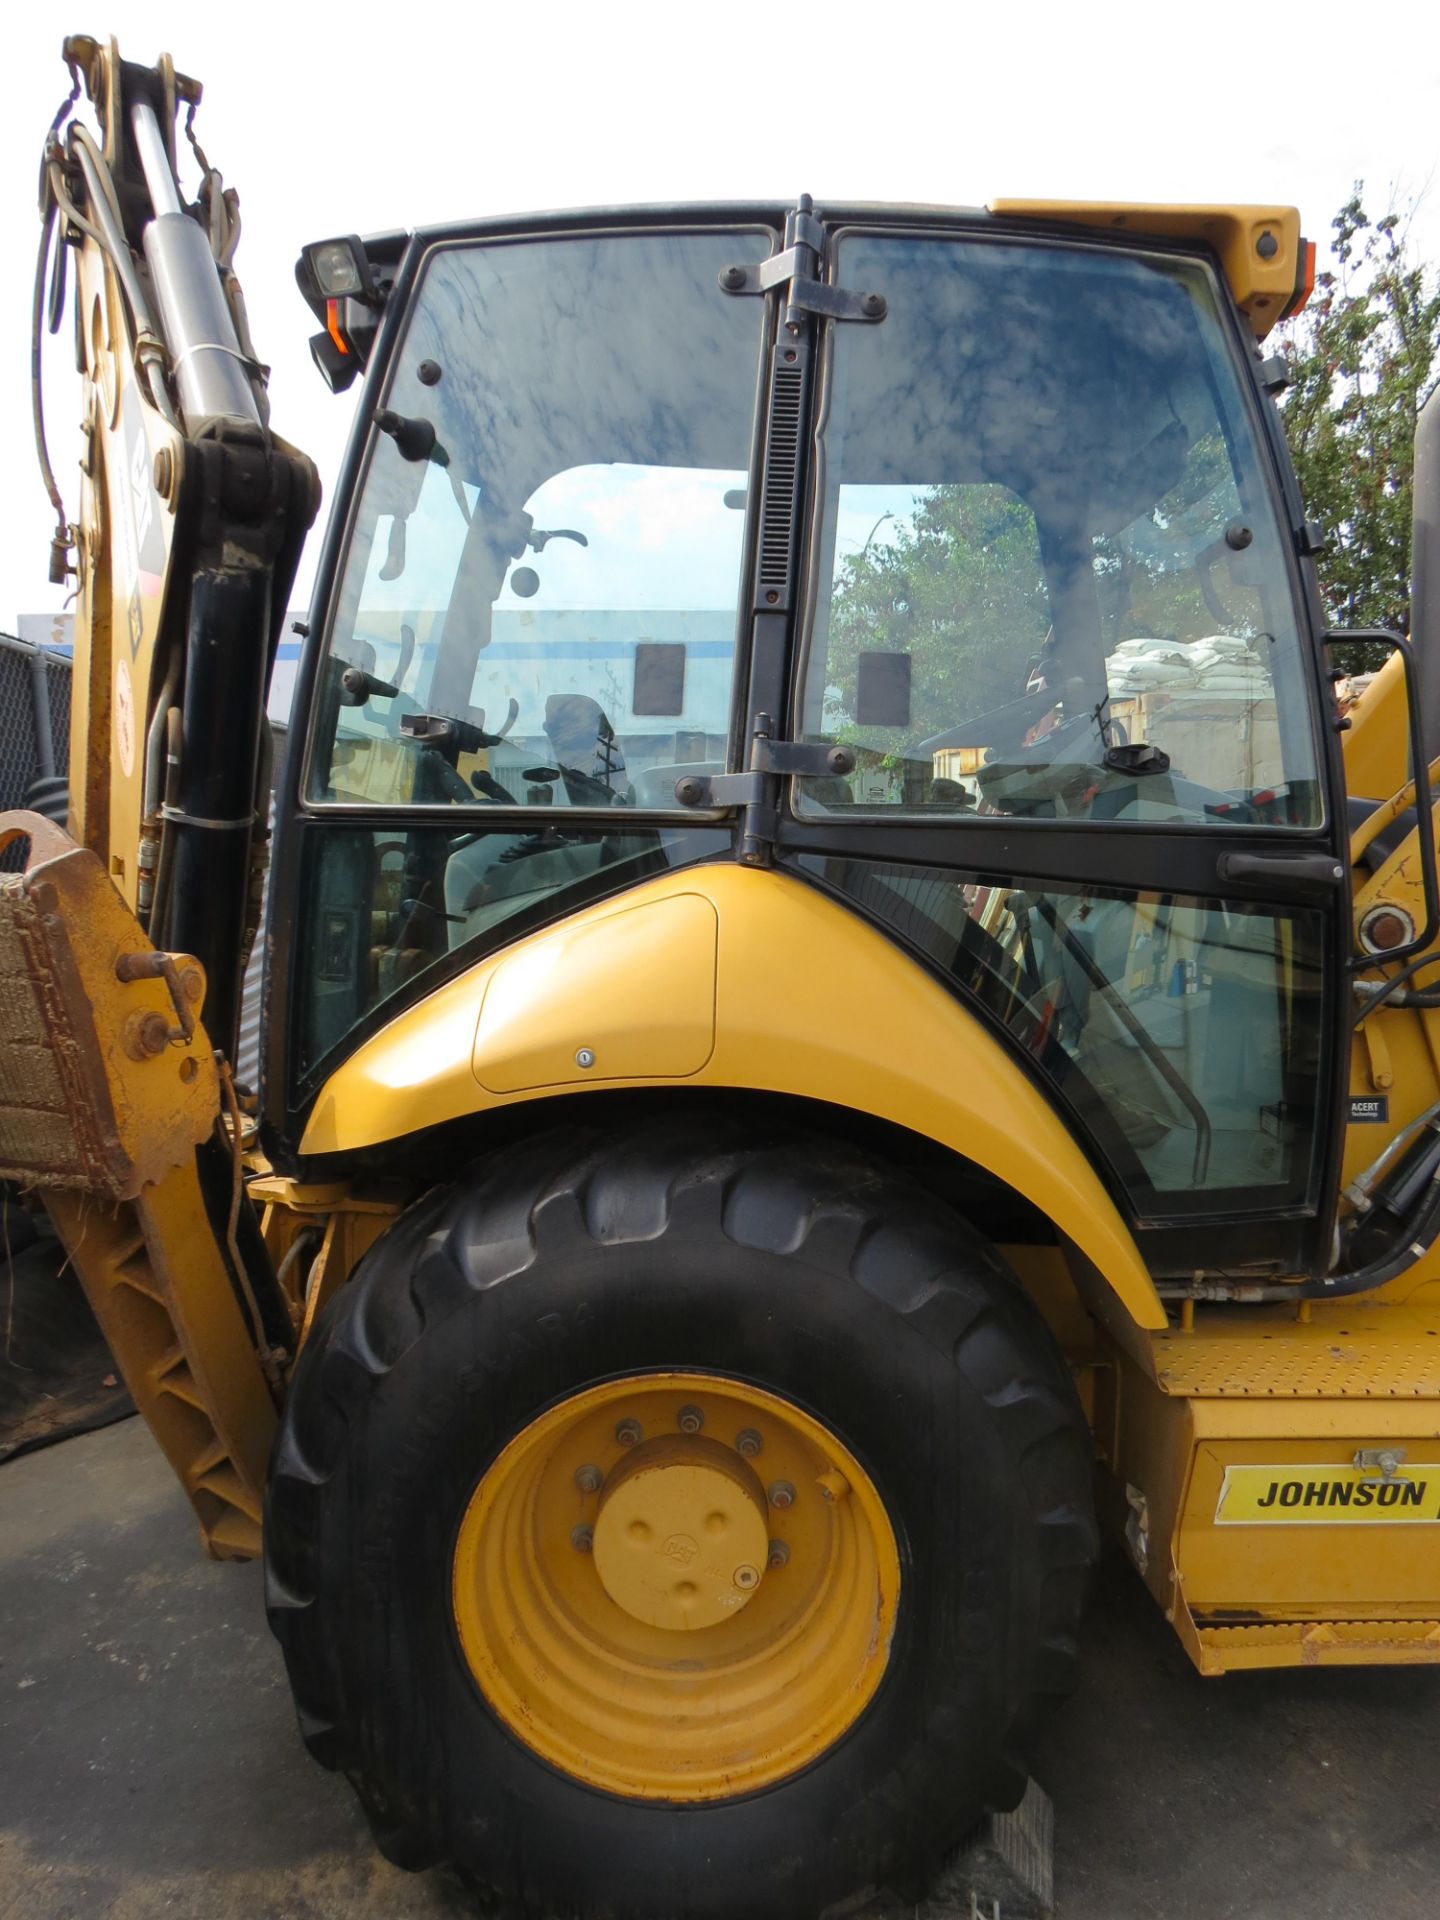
747, 1578
629, 1433
589, 1479
779, 1553
582, 1539
781, 1495
748, 1442
690, 1419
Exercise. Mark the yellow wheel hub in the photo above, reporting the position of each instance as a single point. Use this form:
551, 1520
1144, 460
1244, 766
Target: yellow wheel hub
681, 1535
676, 1587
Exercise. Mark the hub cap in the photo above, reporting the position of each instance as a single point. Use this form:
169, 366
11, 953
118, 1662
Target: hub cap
681, 1535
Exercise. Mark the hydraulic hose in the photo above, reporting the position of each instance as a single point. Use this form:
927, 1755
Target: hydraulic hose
62, 540
1413, 1237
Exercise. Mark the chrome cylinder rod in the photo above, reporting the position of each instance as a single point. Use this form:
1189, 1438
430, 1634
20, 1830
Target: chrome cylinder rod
211, 375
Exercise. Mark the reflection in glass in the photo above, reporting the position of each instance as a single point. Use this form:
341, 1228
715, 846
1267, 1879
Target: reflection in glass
541, 610
1185, 1034
390, 906
1044, 513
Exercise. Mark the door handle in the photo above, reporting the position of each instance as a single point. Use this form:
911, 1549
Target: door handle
1312, 874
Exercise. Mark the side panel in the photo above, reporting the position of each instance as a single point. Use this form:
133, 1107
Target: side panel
808, 1000
1277, 1483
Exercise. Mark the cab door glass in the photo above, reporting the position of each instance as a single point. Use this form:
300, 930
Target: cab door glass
1049, 580
1186, 1036
539, 600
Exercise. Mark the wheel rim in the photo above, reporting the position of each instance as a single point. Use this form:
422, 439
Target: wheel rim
604, 1598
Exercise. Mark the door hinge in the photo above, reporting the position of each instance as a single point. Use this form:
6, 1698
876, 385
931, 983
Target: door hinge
756, 790
797, 270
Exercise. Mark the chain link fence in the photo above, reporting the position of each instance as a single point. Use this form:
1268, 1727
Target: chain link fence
34, 726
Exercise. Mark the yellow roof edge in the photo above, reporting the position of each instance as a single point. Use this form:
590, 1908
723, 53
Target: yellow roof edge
1266, 263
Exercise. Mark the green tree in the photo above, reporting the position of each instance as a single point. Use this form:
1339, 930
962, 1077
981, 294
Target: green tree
960, 589
1363, 357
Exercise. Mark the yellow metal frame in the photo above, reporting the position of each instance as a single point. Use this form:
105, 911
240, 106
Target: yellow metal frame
793, 993
315, 1232
1376, 744
624, 1614
157, 1283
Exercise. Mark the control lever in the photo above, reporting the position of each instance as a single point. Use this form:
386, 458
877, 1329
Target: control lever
451, 736
357, 686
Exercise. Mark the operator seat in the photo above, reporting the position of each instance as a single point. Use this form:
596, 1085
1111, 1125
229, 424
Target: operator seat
587, 751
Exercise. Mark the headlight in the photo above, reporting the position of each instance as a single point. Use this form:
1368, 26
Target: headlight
338, 269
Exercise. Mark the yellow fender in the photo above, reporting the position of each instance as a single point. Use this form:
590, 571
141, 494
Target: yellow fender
726, 976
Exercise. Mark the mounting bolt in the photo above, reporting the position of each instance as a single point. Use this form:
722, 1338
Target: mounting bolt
781, 1495
582, 1539
690, 1419
589, 1479
779, 1553
164, 471
629, 1433
748, 1442
585, 1057
833, 1486
746, 1578
732, 279
873, 306
428, 373
145, 1034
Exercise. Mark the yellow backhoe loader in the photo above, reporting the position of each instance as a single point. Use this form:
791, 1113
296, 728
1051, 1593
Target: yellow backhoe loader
842, 1003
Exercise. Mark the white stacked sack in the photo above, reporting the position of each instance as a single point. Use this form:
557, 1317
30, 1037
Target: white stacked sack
1218, 664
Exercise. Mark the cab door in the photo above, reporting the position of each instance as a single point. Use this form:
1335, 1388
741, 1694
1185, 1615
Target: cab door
1054, 607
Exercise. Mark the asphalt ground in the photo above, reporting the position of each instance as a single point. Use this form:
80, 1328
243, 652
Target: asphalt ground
150, 1766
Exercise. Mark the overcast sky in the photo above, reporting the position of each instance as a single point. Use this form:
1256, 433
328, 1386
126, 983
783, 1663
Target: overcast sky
349, 118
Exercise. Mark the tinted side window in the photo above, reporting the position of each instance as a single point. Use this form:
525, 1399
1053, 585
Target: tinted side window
1184, 1034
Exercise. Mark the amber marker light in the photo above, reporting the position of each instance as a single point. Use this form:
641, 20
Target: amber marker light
1304, 280
332, 325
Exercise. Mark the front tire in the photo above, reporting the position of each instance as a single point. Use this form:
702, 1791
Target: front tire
795, 1270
